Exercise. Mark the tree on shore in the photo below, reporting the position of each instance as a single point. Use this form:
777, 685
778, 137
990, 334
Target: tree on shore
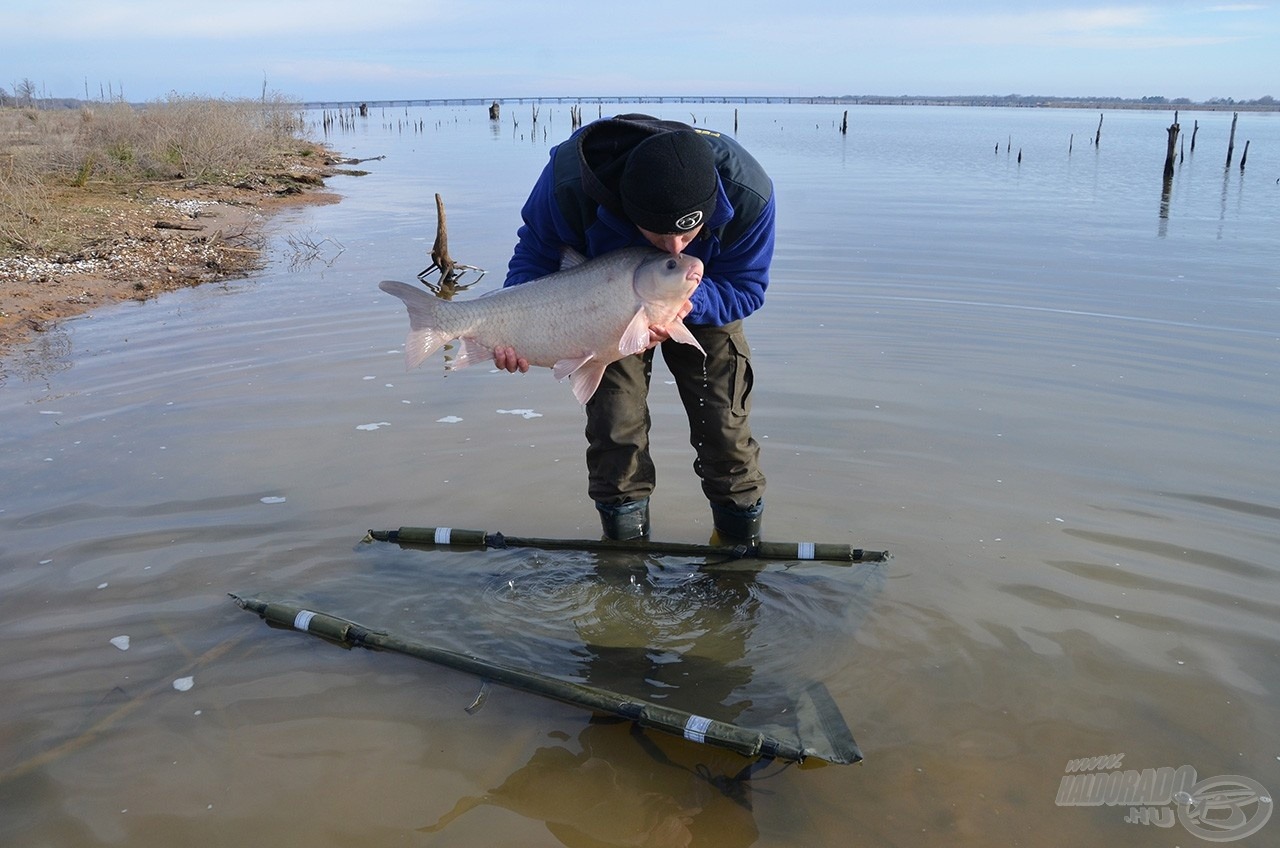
25, 92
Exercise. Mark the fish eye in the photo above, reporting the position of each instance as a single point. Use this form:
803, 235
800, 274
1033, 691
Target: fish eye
672, 264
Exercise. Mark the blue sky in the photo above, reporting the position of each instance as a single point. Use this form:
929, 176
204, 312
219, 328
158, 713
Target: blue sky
414, 49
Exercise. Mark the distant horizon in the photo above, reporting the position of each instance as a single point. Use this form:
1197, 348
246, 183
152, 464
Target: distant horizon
1150, 100
1265, 103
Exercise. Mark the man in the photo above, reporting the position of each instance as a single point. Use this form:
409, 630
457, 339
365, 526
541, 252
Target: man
633, 180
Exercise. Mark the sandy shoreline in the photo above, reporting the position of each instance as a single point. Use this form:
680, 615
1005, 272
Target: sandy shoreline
182, 236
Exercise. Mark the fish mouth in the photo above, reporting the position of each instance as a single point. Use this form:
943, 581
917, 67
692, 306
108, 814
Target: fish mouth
693, 274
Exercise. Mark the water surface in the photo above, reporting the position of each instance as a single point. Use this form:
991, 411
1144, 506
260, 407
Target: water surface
1047, 386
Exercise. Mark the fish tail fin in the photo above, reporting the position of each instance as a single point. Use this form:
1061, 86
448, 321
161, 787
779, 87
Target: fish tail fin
425, 336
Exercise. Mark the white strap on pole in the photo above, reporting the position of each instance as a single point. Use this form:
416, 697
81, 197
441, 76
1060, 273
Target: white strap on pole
695, 729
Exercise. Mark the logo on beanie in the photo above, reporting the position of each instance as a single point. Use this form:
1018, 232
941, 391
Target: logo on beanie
688, 222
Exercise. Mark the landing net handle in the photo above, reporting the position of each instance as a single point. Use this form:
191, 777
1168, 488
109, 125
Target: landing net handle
741, 740
456, 538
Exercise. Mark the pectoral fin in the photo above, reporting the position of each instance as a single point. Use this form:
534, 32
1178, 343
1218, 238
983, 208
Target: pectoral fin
680, 333
635, 338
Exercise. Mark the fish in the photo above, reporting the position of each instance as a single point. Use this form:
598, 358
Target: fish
575, 321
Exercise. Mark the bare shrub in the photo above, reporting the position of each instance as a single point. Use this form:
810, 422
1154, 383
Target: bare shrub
198, 140
190, 138
27, 137
24, 209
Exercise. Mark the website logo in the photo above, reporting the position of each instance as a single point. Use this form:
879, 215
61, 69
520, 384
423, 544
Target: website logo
1218, 809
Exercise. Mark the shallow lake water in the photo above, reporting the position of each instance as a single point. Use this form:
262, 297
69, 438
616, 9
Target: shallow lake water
1047, 385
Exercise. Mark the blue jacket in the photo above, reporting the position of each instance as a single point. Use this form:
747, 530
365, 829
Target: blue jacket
574, 203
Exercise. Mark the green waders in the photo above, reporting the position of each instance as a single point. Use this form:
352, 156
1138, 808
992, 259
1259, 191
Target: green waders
717, 401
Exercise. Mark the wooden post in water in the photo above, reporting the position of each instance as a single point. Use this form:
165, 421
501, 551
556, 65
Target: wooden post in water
494, 111
1173, 145
1195, 128
1244, 155
1231, 142
844, 123
1097, 137
735, 121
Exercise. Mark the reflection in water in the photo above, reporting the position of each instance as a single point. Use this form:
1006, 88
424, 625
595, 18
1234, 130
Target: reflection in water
310, 249
1165, 193
1222, 206
725, 642
449, 283
679, 640
676, 640
615, 787
45, 354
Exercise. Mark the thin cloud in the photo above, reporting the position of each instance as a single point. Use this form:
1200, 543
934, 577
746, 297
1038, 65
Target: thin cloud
328, 49
1039, 28
1100, 27
157, 20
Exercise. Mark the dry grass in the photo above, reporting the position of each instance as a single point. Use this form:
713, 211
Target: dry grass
117, 147
112, 202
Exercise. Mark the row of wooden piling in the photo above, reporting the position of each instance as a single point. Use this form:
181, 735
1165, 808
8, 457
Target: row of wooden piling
1174, 129
1174, 153
345, 119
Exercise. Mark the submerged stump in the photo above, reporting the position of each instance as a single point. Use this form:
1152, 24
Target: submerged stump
1231, 141
450, 271
1172, 148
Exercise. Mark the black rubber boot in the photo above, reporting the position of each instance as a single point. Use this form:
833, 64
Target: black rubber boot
735, 526
625, 521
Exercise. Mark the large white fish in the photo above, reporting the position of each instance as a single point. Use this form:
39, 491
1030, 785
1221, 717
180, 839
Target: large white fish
576, 321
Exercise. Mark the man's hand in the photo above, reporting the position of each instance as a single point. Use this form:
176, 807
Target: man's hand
658, 335
505, 358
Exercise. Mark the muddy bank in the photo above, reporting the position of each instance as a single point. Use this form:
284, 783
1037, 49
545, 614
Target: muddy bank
155, 238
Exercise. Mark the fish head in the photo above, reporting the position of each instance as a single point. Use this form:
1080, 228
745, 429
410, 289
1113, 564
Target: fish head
667, 277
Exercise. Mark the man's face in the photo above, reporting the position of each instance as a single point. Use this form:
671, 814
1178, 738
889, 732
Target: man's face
671, 242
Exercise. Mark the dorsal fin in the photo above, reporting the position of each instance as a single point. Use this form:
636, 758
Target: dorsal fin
570, 258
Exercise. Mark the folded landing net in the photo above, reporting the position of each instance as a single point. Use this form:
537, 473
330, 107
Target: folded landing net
820, 729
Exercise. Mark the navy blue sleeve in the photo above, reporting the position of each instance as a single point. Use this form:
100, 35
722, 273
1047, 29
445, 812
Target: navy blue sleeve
735, 280
544, 234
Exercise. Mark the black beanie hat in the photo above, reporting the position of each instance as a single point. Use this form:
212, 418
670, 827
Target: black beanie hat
669, 183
